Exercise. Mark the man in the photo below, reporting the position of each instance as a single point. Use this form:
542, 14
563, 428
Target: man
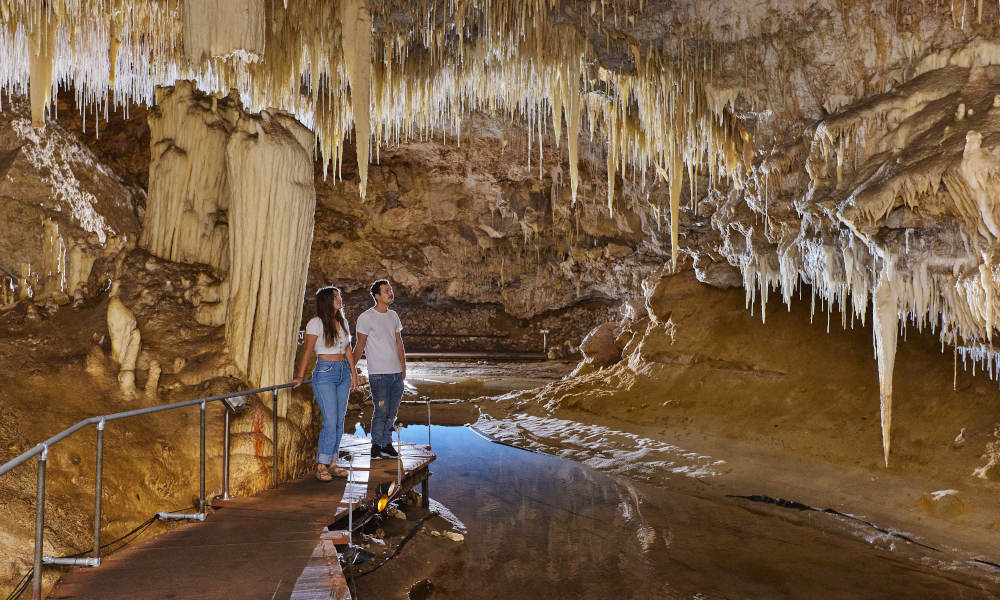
378, 337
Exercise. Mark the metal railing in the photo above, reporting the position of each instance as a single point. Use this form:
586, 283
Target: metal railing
42, 452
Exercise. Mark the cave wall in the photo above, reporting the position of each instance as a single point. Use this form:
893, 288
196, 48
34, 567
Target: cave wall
64, 211
485, 223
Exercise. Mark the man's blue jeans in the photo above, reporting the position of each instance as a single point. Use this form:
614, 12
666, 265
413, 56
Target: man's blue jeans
387, 392
331, 383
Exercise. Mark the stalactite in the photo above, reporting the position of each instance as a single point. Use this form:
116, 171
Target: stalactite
357, 43
676, 181
884, 328
572, 106
43, 39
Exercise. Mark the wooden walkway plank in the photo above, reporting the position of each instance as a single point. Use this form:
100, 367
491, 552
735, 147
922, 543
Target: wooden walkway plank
272, 545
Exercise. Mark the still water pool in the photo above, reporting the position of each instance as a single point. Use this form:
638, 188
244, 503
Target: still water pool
540, 526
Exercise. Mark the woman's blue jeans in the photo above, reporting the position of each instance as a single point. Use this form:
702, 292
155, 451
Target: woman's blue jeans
331, 384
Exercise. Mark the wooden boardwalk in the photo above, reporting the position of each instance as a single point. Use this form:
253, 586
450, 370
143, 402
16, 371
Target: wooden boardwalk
272, 545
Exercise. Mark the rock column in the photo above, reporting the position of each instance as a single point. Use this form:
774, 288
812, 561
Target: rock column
271, 223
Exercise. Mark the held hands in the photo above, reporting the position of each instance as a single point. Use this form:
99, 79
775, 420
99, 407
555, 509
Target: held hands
354, 383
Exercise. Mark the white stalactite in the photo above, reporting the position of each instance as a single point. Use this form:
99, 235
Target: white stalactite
676, 181
885, 329
356, 38
40, 61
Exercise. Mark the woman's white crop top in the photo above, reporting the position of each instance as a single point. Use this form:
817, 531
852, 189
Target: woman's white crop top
315, 327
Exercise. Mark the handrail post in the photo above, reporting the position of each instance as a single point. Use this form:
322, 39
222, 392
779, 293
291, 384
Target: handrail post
428, 421
36, 593
350, 503
201, 497
98, 488
274, 438
225, 457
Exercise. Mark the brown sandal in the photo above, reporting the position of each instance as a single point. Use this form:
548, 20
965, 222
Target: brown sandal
323, 473
338, 472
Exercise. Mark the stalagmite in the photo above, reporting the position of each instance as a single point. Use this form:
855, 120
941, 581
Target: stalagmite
356, 41
884, 328
269, 162
125, 343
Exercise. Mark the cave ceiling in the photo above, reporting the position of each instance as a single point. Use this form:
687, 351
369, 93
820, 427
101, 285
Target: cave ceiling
844, 145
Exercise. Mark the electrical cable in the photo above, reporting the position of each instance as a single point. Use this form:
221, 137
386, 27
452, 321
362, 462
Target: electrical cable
26, 579
399, 548
21, 585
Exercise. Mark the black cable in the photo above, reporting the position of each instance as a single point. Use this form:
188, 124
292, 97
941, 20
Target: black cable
21, 585
139, 529
26, 579
399, 548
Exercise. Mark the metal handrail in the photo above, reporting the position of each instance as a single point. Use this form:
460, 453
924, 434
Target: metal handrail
41, 450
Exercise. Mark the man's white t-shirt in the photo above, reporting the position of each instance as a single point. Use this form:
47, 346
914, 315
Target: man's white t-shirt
380, 349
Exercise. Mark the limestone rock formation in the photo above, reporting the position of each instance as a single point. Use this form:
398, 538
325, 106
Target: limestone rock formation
477, 224
698, 370
269, 166
63, 212
235, 191
125, 343
188, 202
599, 347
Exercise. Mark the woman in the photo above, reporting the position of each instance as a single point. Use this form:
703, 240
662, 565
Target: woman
333, 378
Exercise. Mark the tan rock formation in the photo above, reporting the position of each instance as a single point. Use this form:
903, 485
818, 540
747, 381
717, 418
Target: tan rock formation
599, 347
221, 28
236, 192
125, 343
273, 201
188, 198
63, 210
475, 225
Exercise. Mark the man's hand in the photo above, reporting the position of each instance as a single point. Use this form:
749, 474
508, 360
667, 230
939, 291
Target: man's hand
298, 382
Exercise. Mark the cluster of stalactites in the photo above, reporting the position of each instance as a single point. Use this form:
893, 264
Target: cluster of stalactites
945, 278
324, 63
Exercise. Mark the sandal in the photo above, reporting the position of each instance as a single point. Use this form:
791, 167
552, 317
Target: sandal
323, 473
338, 472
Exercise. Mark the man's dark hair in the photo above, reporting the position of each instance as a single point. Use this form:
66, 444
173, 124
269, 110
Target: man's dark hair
377, 286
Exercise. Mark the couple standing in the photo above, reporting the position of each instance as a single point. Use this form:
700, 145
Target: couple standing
335, 376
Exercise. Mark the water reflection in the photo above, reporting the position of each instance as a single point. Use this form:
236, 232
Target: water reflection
545, 527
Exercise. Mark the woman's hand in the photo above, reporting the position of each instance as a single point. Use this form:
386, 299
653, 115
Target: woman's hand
354, 382
298, 381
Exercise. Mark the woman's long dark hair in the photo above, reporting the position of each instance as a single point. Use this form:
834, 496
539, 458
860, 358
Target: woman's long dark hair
334, 323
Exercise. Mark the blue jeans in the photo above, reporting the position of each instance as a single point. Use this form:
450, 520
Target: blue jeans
331, 384
387, 391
